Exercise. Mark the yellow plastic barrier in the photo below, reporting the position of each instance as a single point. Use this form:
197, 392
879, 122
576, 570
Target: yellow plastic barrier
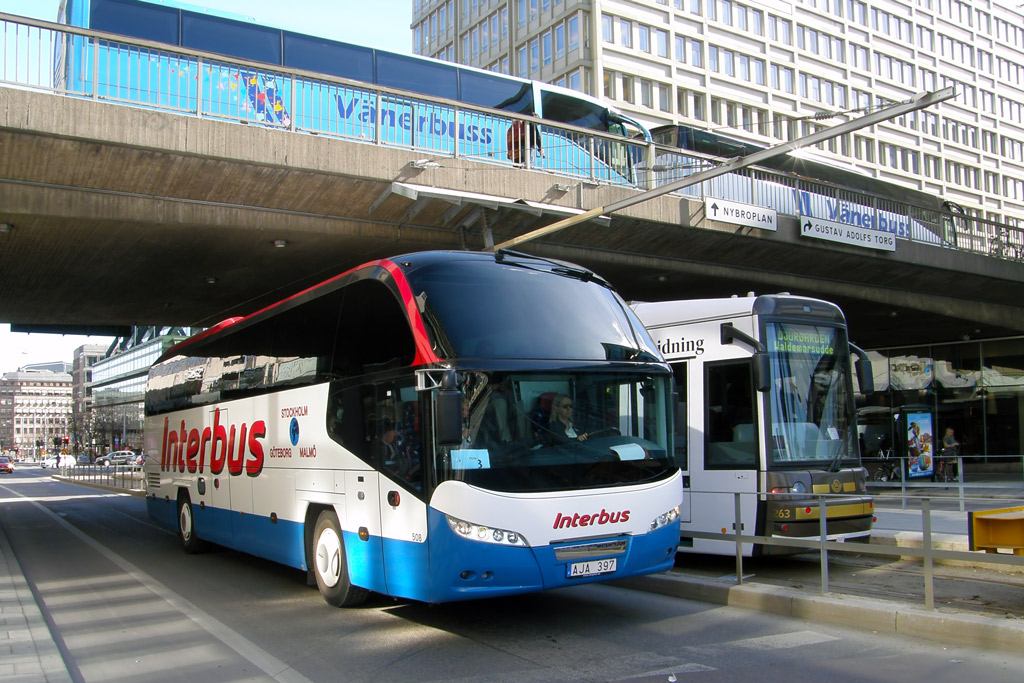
991, 530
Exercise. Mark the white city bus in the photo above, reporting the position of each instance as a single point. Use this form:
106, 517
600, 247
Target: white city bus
765, 408
388, 430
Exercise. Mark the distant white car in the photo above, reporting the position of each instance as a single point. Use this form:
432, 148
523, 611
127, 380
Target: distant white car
55, 461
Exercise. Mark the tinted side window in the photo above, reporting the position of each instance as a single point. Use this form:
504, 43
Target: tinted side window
233, 38
417, 75
149, 22
491, 91
382, 425
558, 107
730, 429
328, 57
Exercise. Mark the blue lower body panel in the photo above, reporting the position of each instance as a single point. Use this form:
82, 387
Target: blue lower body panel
275, 540
446, 568
463, 569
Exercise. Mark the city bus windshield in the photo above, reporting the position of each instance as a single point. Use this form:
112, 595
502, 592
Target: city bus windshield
810, 406
551, 431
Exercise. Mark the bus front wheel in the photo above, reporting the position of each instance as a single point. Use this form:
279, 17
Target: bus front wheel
190, 542
329, 565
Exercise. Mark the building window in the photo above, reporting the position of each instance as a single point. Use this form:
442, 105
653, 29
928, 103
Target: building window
626, 32
661, 42
627, 89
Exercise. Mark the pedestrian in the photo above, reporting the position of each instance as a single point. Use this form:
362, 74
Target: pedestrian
521, 137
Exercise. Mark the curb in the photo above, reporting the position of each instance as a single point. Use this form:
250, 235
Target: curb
138, 493
955, 629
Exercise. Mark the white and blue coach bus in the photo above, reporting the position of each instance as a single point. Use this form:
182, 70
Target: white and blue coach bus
390, 430
128, 73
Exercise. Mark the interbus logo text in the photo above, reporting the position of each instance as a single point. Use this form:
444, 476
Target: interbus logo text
578, 520
185, 449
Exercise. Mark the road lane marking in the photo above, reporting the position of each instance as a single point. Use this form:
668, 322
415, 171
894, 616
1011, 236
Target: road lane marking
245, 648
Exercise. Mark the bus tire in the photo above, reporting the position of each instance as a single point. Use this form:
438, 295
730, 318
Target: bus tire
190, 541
329, 565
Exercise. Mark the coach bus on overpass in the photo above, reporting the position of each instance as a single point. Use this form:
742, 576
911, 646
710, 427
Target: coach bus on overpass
131, 73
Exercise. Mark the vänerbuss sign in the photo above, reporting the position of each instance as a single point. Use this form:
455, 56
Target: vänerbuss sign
853, 214
222, 90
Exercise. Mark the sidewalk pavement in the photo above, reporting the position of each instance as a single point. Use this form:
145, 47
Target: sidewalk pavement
27, 649
29, 653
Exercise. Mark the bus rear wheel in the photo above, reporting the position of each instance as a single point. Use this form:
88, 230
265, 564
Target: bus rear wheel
190, 542
329, 565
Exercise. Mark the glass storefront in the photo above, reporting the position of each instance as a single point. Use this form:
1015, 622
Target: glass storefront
974, 387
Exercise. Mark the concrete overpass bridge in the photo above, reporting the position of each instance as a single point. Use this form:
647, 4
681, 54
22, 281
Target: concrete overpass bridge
118, 215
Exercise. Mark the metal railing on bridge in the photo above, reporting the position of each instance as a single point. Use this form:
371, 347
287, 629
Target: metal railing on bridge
70, 61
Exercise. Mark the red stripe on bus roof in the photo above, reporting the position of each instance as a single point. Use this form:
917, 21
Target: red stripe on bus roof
424, 352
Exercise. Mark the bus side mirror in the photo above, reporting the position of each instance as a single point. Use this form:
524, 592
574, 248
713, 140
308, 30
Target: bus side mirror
762, 372
862, 366
448, 417
865, 376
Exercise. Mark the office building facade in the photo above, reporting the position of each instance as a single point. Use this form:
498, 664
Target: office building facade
119, 386
35, 411
765, 72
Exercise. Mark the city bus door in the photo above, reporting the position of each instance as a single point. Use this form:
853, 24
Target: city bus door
726, 463
681, 439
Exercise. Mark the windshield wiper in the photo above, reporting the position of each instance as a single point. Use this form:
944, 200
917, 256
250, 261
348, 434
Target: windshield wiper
559, 267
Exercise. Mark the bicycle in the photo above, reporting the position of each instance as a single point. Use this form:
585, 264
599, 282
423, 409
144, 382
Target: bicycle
946, 466
888, 470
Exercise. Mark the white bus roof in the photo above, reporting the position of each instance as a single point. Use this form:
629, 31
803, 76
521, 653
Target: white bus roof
663, 313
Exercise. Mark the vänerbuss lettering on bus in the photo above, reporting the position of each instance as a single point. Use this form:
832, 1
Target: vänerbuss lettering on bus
365, 112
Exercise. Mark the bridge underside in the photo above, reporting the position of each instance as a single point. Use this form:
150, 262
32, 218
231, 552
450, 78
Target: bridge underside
118, 215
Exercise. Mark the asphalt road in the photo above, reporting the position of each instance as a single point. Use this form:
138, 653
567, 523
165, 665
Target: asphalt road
125, 604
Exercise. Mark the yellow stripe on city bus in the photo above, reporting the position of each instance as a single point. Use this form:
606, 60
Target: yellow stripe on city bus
843, 510
848, 487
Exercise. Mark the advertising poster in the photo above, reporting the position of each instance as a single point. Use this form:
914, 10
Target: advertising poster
920, 445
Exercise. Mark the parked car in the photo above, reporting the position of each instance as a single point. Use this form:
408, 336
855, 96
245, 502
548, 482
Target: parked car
55, 461
6, 465
117, 458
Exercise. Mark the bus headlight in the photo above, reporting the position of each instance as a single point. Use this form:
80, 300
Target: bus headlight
665, 519
485, 534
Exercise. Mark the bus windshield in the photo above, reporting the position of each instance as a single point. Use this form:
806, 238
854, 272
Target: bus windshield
810, 405
560, 431
554, 313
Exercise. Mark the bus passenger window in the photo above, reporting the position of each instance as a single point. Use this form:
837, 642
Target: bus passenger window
730, 433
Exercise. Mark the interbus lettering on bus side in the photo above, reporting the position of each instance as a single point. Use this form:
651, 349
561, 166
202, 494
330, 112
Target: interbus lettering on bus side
179, 449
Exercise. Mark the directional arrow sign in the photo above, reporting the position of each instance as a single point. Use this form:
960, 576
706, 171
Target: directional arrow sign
740, 214
847, 234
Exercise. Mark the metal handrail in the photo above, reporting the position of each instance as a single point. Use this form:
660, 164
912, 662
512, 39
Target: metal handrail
927, 552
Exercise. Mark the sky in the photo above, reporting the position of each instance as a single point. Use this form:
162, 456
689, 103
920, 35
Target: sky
374, 23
